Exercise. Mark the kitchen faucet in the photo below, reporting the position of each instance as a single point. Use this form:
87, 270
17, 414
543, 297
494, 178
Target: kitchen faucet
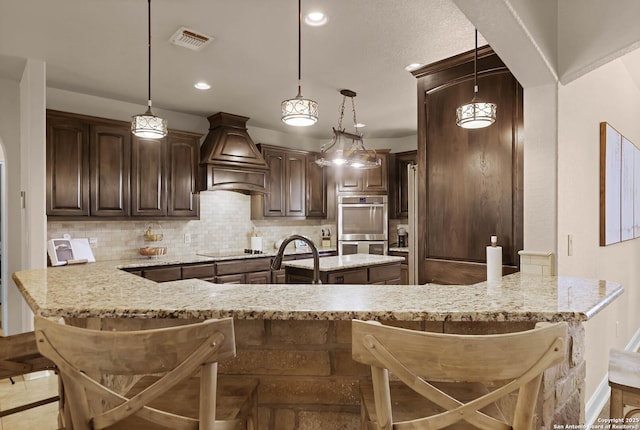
277, 261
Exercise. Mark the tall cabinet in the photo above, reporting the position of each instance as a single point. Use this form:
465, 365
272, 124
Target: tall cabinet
97, 168
470, 181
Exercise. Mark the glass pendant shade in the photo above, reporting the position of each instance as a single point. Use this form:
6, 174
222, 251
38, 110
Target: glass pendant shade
149, 126
299, 112
476, 115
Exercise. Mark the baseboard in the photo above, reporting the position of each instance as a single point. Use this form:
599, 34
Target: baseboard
600, 398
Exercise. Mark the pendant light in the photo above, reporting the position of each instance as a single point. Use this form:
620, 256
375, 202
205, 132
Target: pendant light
148, 125
298, 111
476, 114
347, 149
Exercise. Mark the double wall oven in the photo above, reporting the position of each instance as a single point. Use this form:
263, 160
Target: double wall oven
362, 225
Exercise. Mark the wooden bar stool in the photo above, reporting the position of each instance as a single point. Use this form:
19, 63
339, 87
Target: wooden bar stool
460, 364
19, 356
624, 380
160, 365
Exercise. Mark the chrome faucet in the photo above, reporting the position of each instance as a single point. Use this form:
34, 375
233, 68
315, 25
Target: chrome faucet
277, 261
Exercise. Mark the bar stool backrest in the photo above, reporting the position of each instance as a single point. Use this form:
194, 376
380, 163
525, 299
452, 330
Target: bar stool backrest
418, 358
84, 357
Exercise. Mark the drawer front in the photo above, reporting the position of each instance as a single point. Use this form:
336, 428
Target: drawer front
230, 279
164, 274
358, 276
243, 266
263, 277
384, 273
201, 271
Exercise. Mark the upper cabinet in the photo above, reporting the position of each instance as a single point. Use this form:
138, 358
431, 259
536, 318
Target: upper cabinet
368, 181
399, 186
97, 168
296, 185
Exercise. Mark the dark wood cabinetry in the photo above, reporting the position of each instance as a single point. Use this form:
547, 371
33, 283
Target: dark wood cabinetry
369, 181
109, 170
67, 167
404, 266
296, 186
399, 186
96, 168
381, 274
472, 179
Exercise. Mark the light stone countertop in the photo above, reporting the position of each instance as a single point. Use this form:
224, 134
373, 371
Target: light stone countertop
328, 264
101, 290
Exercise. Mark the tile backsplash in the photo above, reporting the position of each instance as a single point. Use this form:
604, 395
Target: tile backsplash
225, 225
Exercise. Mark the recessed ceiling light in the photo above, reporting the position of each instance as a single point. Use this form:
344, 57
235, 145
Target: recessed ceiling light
202, 86
413, 66
315, 19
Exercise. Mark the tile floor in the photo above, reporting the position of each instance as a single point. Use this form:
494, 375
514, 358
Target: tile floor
24, 391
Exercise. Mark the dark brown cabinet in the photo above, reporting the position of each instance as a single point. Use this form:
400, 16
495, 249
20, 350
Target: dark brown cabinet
369, 181
296, 186
96, 168
67, 167
472, 177
109, 170
398, 183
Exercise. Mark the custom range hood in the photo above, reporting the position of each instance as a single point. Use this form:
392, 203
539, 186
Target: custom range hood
229, 160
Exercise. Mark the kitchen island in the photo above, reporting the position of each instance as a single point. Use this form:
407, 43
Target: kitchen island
347, 269
297, 338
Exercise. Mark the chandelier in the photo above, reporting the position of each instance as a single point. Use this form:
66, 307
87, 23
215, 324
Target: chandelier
347, 149
147, 125
298, 111
476, 114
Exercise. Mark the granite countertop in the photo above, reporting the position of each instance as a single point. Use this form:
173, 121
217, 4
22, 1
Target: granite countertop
328, 264
101, 290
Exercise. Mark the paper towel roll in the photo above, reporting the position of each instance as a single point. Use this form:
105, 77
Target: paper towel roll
494, 263
256, 243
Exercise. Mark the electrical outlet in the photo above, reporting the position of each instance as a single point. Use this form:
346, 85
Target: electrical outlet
93, 242
187, 238
569, 245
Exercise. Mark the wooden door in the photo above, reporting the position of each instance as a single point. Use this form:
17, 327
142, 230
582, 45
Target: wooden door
110, 170
295, 180
470, 181
67, 167
349, 180
376, 181
316, 205
183, 153
148, 181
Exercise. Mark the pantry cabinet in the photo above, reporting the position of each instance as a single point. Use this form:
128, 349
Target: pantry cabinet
96, 168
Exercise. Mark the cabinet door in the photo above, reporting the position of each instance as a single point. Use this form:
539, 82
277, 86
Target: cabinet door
316, 189
274, 200
110, 169
295, 192
67, 167
148, 182
238, 278
183, 153
349, 180
258, 277
376, 180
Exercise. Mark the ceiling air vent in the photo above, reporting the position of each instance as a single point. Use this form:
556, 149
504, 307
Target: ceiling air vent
190, 39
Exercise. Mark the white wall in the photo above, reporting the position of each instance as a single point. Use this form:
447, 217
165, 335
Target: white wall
605, 94
10, 140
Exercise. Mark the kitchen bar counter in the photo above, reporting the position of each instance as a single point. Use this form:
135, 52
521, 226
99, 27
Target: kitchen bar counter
296, 338
101, 290
328, 264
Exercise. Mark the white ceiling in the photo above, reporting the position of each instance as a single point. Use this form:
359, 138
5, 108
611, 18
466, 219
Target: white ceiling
99, 47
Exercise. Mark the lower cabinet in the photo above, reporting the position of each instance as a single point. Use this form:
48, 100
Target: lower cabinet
404, 266
384, 274
245, 271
